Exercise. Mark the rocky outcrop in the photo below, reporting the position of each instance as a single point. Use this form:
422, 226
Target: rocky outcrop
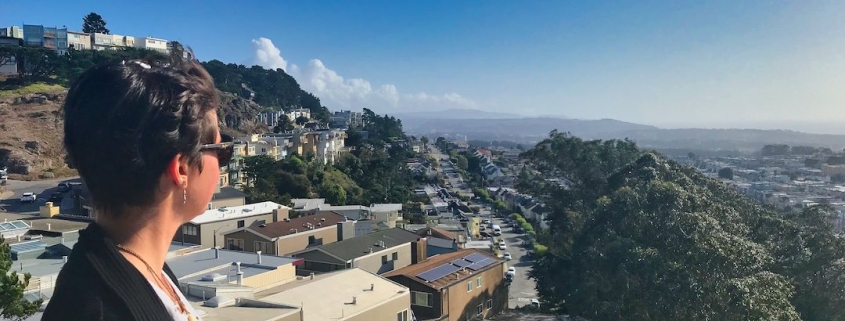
239, 114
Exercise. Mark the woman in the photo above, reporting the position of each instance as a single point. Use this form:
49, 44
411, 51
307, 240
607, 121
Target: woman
146, 141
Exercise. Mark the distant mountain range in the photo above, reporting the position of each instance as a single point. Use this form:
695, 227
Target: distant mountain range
456, 114
485, 127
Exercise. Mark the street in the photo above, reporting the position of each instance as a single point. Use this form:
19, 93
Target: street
522, 288
42, 190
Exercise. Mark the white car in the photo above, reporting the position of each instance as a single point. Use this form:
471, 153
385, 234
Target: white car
511, 271
28, 198
507, 256
502, 246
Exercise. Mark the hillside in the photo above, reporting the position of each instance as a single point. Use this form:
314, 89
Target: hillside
31, 130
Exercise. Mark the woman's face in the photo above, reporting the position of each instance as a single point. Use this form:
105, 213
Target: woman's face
201, 184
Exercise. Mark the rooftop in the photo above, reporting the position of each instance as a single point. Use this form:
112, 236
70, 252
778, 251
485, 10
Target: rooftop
38, 267
193, 266
442, 270
57, 225
360, 245
299, 224
386, 207
368, 289
228, 193
437, 232
307, 203
236, 212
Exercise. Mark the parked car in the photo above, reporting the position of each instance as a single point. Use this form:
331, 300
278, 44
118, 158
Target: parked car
56, 198
511, 271
502, 247
507, 256
64, 187
28, 198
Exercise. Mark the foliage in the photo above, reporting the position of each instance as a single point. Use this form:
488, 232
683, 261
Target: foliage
639, 237
726, 173
783, 150
94, 23
38, 87
45, 65
12, 304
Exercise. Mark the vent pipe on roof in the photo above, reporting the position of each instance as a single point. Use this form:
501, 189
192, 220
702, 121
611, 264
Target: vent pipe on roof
240, 277
259, 256
48, 227
371, 250
312, 275
64, 258
239, 266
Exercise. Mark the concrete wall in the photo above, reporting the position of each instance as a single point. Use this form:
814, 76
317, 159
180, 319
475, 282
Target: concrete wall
299, 241
281, 275
373, 262
386, 310
462, 304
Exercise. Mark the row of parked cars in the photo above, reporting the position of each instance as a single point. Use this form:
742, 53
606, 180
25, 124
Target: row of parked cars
56, 197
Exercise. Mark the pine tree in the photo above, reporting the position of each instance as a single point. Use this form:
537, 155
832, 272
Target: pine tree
94, 23
12, 304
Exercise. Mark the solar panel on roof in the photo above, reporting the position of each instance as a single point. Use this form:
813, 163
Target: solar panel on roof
461, 263
438, 272
475, 257
481, 264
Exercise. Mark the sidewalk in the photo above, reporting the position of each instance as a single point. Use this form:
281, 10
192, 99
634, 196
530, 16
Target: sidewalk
6, 194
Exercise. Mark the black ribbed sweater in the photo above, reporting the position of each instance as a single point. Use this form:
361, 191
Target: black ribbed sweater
98, 283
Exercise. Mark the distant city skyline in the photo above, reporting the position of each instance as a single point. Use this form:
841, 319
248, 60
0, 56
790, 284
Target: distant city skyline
663, 63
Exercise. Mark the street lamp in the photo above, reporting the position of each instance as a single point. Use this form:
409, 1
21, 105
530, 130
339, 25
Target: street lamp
215, 233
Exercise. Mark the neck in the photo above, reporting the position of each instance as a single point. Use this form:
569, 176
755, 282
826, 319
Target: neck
147, 234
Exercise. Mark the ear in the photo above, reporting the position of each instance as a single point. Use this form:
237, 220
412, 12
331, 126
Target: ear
177, 170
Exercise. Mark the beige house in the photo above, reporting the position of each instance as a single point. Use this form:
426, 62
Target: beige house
349, 295
291, 235
204, 229
377, 252
458, 286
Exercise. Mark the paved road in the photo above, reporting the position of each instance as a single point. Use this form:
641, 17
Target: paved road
42, 190
522, 288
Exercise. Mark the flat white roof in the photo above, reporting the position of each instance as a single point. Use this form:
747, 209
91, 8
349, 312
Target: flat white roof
235, 212
319, 304
386, 207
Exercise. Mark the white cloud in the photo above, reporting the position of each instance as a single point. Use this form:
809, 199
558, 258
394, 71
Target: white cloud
268, 55
337, 92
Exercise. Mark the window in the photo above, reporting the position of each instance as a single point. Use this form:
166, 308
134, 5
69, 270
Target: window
384, 259
395, 256
478, 282
235, 244
469, 286
489, 304
189, 230
480, 309
264, 247
240, 223
422, 299
402, 315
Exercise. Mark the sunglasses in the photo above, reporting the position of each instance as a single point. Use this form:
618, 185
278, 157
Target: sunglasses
223, 150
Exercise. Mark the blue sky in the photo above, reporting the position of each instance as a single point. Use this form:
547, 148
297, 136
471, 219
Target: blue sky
671, 63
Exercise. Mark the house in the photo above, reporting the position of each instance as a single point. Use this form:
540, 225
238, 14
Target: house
227, 197
463, 285
307, 204
203, 229
151, 43
348, 295
437, 246
377, 252
9, 65
291, 235
206, 273
45, 37
78, 40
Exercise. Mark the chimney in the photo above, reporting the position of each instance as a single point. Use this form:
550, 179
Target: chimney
259, 256
64, 258
216, 253
240, 277
372, 286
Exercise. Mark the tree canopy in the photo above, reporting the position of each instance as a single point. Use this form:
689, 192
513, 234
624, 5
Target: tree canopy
12, 285
640, 237
94, 23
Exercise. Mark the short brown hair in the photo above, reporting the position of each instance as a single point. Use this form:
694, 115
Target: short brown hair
124, 122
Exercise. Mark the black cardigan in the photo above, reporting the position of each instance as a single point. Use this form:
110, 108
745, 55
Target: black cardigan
98, 283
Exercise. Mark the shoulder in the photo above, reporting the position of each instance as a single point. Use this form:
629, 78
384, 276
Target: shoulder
79, 294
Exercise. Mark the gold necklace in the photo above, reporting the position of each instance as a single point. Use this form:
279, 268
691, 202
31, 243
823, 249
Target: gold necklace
163, 284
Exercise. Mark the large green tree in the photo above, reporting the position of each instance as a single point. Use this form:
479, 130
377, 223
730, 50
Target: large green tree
94, 23
12, 286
